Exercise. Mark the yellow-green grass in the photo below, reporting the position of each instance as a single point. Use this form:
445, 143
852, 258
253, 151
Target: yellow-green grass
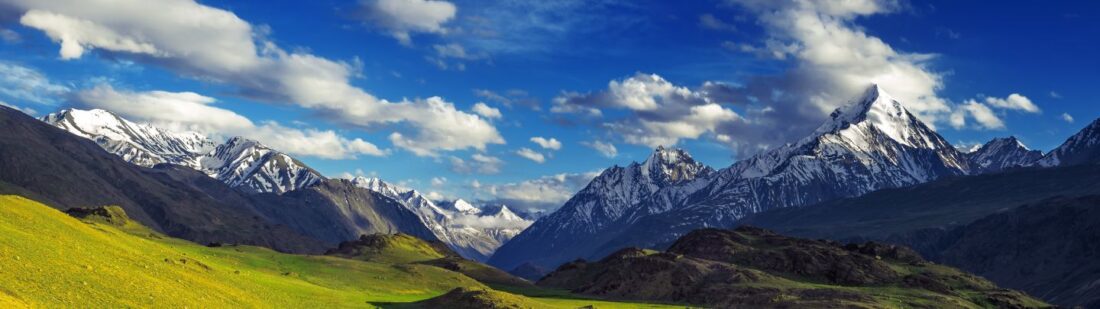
48, 259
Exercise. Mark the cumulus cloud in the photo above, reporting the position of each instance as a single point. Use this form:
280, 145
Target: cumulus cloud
834, 60
606, 149
195, 112
1014, 101
478, 163
1067, 117
403, 17
661, 113
21, 83
215, 45
439, 181
545, 143
486, 111
543, 193
981, 113
532, 155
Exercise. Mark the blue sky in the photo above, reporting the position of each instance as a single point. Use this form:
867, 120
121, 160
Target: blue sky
722, 79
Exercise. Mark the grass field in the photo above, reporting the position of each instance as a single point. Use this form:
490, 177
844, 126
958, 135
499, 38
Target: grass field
49, 259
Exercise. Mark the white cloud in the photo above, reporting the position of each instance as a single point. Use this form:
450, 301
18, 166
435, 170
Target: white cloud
195, 112
23, 83
486, 111
25, 110
551, 143
710, 22
606, 149
215, 45
532, 155
403, 17
662, 113
175, 110
74, 34
1055, 95
478, 163
545, 193
1067, 117
439, 181
1014, 101
981, 113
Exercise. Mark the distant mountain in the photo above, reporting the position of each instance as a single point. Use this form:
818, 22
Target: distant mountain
755, 268
871, 144
1000, 154
580, 225
137, 143
1081, 148
66, 171
337, 210
471, 231
239, 162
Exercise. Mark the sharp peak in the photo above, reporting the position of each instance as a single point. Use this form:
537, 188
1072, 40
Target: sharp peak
674, 154
1007, 139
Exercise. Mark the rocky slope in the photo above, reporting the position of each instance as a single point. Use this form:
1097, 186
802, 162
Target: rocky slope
1000, 154
750, 267
872, 144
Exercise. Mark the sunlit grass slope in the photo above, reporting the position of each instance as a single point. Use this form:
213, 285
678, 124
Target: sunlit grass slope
49, 259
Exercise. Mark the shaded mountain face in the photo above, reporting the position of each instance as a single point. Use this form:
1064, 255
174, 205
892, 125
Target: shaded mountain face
613, 199
976, 223
239, 162
872, 144
1047, 249
1000, 154
750, 267
65, 171
337, 210
471, 231
1081, 148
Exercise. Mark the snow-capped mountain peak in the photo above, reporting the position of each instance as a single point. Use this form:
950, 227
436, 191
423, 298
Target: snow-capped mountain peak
137, 143
877, 108
239, 162
246, 163
672, 165
462, 206
506, 214
1001, 153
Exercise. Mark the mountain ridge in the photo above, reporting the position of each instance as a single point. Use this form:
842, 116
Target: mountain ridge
870, 144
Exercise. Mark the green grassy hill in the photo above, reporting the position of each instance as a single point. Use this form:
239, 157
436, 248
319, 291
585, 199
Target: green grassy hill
50, 259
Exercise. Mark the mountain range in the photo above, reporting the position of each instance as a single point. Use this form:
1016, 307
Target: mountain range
251, 167
872, 143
